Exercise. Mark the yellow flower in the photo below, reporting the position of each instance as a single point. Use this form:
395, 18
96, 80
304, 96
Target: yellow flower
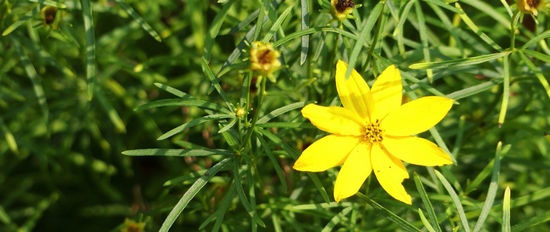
373, 132
132, 226
341, 8
264, 58
529, 6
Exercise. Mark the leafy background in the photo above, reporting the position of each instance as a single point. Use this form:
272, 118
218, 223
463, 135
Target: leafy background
114, 76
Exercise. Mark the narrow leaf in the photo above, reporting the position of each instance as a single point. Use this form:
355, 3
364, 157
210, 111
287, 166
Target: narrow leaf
190, 194
176, 152
456, 201
459, 62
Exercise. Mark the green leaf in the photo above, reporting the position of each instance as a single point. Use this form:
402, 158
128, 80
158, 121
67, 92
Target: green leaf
538, 38
540, 56
491, 192
193, 123
538, 74
472, 90
277, 24
304, 13
470, 23
402, 223
506, 211
280, 111
427, 205
182, 102
176, 152
214, 81
33, 76
459, 62
337, 219
374, 15
190, 194
174, 91
89, 35
456, 201
139, 20
425, 221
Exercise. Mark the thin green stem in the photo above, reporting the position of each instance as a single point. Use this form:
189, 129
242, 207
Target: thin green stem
260, 93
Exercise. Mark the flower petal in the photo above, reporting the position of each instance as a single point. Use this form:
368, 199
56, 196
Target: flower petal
387, 92
416, 116
416, 150
390, 173
327, 152
354, 172
353, 91
333, 119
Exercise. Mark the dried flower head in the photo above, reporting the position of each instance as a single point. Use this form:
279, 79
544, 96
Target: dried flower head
341, 8
530, 6
50, 17
264, 58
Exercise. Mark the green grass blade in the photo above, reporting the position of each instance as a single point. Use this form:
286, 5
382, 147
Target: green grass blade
111, 112
168, 89
538, 74
422, 31
24, 18
399, 32
183, 102
215, 83
506, 211
490, 10
404, 224
221, 211
425, 221
337, 219
537, 39
8, 136
472, 90
215, 29
190, 194
274, 161
491, 192
537, 55
505, 91
280, 111
89, 34
176, 152
193, 123
470, 23
139, 20
456, 201
374, 16
304, 25
35, 79
459, 62
532, 222
427, 205
277, 24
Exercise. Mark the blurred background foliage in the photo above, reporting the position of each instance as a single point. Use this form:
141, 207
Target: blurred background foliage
63, 127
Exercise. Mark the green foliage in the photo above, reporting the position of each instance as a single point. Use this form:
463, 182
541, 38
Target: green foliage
148, 110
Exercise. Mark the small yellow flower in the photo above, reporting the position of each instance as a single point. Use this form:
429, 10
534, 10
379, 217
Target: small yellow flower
264, 58
341, 8
132, 226
373, 132
530, 6
240, 112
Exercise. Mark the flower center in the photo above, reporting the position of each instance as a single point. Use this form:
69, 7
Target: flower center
343, 5
373, 132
